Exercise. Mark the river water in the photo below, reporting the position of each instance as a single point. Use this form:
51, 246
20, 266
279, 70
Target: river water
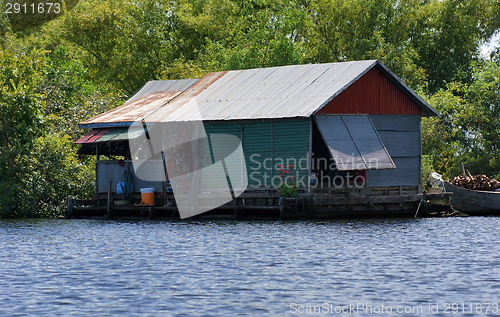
53, 267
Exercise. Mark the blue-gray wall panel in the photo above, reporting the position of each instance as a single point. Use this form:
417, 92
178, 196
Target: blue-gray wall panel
401, 143
407, 173
396, 122
401, 136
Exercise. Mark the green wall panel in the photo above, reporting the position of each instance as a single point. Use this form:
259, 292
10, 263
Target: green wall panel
291, 146
266, 144
209, 179
257, 148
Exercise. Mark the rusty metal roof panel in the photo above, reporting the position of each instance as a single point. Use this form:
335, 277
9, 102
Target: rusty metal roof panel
149, 98
163, 85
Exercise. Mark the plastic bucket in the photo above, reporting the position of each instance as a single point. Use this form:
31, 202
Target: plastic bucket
313, 179
148, 196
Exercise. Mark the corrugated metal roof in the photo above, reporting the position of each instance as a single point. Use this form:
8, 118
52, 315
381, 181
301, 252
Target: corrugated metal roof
264, 93
149, 98
267, 93
110, 134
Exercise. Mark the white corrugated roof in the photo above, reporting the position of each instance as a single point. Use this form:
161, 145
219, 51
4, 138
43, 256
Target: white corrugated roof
265, 93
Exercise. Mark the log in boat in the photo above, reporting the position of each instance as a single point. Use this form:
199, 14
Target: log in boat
474, 202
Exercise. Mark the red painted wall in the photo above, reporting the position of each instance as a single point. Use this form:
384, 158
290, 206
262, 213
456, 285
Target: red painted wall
371, 94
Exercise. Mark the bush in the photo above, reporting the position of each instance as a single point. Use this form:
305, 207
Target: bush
49, 175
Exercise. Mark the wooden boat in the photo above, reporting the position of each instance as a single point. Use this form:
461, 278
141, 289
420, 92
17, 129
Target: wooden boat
474, 202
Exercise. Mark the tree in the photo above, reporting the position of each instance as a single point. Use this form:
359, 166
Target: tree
43, 96
447, 36
126, 43
21, 110
468, 131
248, 34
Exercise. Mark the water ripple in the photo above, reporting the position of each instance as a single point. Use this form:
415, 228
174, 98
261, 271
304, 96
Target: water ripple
153, 268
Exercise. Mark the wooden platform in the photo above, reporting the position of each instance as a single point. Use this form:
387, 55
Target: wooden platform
264, 203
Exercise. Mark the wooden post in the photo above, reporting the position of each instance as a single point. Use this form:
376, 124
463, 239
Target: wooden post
71, 204
110, 201
242, 157
310, 158
463, 168
272, 153
96, 169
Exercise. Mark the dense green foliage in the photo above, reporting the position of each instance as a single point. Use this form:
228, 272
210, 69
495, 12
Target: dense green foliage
469, 130
56, 74
43, 96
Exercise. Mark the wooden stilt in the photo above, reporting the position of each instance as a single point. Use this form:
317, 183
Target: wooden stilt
71, 204
110, 202
236, 213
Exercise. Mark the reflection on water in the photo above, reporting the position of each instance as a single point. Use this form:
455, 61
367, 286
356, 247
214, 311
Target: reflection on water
89, 267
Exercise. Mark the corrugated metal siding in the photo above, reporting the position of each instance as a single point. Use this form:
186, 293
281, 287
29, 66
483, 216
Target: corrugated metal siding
257, 149
401, 136
371, 94
396, 122
401, 143
407, 173
208, 179
291, 146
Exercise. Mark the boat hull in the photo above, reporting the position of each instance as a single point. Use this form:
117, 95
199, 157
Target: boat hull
474, 202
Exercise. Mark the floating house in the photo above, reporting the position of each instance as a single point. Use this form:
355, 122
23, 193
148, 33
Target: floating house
349, 132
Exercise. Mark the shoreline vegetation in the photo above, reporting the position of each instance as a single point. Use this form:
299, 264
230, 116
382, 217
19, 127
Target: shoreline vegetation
91, 58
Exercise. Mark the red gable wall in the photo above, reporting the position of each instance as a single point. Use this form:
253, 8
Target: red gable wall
371, 94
